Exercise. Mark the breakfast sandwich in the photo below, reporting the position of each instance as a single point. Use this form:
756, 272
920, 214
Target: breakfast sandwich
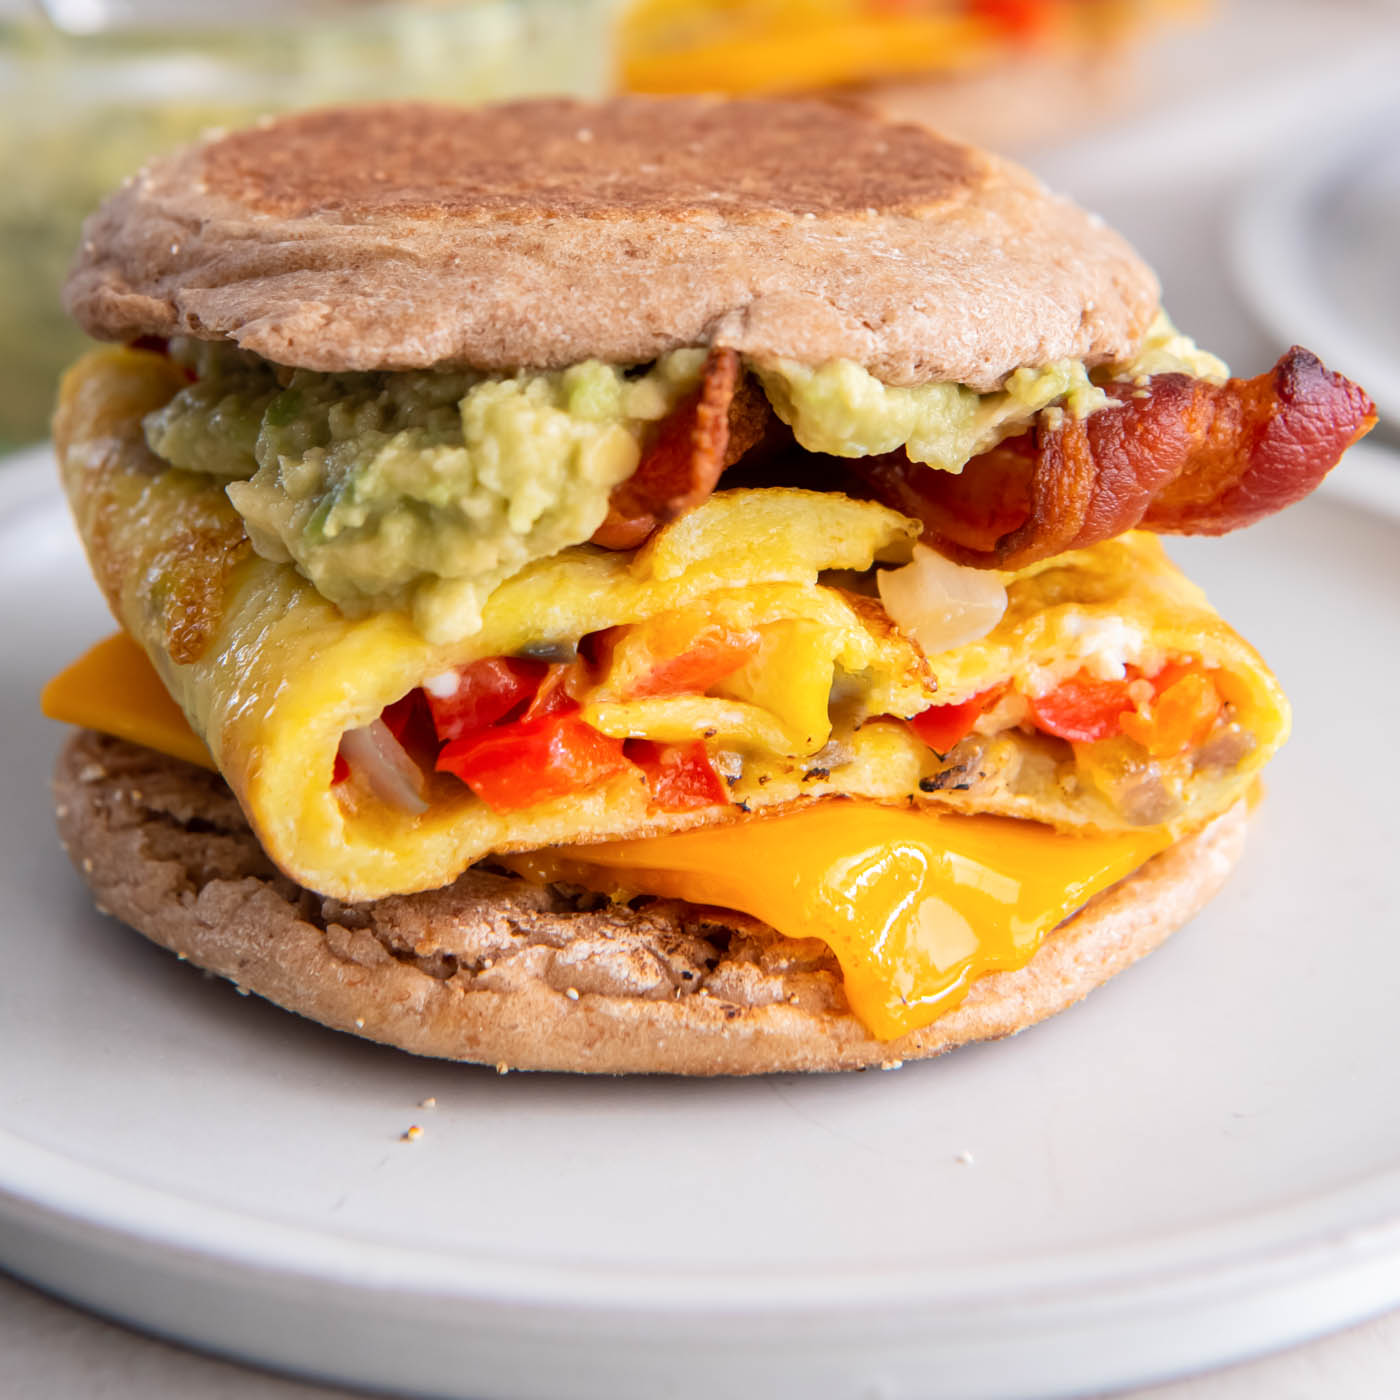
1005, 73
659, 585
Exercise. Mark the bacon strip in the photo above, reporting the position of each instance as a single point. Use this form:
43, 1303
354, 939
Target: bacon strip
709, 430
1178, 455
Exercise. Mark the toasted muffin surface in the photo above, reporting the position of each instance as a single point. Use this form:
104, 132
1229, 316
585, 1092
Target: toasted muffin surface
546, 233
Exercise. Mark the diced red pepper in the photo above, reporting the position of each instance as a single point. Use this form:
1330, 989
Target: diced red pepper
680, 777
487, 691
410, 721
714, 654
340, 770
517, 765
597, 647
1020, 19
1182, 713
557, 691
1082, 709
941, 727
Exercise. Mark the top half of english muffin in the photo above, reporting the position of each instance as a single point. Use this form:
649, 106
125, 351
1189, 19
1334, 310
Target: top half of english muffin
539, 234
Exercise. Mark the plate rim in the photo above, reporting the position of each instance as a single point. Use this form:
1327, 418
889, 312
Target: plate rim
1268, 242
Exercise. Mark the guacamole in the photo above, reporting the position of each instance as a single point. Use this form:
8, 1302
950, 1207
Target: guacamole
425, 489
840, 409
421, 490
1165, 350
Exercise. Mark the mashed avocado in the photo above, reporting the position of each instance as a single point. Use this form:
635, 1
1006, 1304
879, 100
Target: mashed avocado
1165, 350
426, 489
420, 489
840, 409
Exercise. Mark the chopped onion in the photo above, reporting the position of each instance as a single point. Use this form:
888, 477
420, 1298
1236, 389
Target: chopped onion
373, 754
941, 604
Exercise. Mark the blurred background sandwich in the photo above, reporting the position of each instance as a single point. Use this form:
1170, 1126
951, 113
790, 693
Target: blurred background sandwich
998, 72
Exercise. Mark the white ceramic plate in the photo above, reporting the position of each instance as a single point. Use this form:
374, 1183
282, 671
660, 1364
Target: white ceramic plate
1201, 1162
1317, 244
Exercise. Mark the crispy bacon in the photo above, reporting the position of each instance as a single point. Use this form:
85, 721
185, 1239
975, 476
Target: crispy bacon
709, 430
1177, 455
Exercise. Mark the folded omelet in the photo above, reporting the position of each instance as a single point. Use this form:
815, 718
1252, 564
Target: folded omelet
820, 705
681, 625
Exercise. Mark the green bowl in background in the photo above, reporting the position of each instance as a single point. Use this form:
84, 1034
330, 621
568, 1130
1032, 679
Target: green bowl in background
81, 108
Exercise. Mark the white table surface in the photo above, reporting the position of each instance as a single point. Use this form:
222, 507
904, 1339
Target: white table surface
1228, 97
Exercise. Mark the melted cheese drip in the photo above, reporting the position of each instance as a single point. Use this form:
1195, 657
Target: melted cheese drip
114, 689
914, 905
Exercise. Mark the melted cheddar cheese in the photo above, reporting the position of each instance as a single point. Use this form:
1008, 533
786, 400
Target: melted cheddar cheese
914, 905
114, 689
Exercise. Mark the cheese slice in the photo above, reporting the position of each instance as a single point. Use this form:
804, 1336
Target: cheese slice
915, 905
114, 689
